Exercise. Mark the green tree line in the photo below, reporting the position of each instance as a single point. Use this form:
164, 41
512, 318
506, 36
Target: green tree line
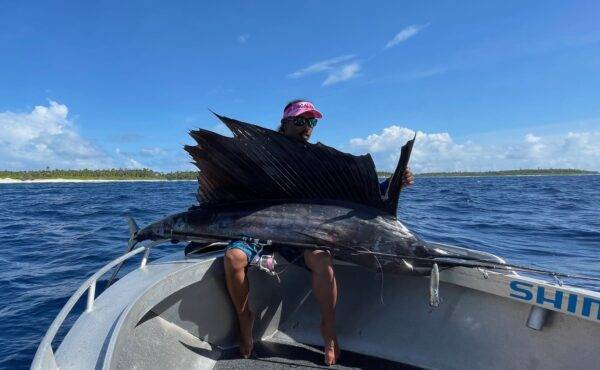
148, 174
520, 172
109, 174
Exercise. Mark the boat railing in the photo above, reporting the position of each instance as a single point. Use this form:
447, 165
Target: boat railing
44, 356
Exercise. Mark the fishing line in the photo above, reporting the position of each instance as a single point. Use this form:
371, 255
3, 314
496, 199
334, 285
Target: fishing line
480, 263
442, 260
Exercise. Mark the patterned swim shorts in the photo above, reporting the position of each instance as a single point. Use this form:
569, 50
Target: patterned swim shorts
252, 250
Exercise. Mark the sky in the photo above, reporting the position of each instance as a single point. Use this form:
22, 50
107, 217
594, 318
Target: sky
484, 85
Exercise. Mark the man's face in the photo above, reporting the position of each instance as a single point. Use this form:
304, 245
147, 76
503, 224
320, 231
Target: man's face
298, 132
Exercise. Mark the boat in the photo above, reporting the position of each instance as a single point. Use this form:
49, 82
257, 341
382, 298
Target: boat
175, 313
458, 308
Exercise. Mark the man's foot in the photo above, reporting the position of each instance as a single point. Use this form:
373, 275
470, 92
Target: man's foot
331, 346
246, 321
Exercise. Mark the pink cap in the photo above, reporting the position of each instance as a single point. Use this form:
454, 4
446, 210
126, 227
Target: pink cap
300, 108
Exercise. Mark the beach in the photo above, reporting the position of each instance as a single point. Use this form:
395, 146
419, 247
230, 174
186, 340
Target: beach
42, 181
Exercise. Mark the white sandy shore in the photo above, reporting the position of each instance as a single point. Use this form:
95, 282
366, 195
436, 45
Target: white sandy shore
39, 181
42, 181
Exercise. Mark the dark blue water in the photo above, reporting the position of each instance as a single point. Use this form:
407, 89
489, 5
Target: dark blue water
53, 236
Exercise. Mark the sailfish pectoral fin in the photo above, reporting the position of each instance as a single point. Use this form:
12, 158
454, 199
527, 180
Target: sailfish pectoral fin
133, 227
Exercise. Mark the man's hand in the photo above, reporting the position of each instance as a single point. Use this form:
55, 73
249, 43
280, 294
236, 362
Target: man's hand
407, 178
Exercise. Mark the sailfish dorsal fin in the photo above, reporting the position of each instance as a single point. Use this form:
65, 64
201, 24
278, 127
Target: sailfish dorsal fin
261, 164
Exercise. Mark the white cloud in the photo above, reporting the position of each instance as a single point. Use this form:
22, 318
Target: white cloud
325, 65
387, 140
336, 68
584, 144
133, 164
440, 152
532, 139
344, 73
152, 152
173, 160
535, 145
404, 35
242, 39
46, 137
127, 160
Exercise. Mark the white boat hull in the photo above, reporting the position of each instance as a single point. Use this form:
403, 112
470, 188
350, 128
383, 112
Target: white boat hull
175, 313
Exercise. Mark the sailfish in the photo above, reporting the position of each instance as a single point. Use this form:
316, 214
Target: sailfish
263, 185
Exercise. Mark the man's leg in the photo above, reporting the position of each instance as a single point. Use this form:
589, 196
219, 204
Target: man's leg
238, 287
325, 289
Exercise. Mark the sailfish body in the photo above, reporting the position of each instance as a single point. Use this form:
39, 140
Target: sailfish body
263, 185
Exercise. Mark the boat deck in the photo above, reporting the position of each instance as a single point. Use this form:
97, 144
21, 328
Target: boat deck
273, 355
277, 352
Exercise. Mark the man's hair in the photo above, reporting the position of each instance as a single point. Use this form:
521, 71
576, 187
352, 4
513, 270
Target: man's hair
280, 129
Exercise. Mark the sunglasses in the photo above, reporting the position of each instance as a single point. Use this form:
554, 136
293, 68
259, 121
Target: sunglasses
301, 121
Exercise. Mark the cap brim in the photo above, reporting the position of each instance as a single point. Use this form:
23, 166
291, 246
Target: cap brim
315, 113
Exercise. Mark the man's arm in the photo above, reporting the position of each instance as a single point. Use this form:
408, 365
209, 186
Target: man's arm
407, 180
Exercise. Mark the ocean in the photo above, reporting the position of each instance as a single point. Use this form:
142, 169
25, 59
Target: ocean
54, 235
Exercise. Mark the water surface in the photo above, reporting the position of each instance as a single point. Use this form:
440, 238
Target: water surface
53, 236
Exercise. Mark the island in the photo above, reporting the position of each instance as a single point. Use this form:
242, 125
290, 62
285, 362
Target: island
109, 174
520, 172
146, 174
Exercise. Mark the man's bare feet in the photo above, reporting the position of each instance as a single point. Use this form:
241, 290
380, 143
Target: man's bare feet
330, 344
246, 321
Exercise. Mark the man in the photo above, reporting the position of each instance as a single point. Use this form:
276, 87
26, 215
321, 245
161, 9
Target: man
299, 119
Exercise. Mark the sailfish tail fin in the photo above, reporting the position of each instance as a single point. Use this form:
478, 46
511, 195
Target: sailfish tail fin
392, 193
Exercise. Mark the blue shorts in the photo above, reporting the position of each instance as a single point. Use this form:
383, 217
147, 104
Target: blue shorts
250, 249
293, 255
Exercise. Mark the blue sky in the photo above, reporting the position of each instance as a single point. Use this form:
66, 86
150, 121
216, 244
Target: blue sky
495, 85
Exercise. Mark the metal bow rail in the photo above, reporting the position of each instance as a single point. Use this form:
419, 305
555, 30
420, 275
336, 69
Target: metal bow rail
44, 356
